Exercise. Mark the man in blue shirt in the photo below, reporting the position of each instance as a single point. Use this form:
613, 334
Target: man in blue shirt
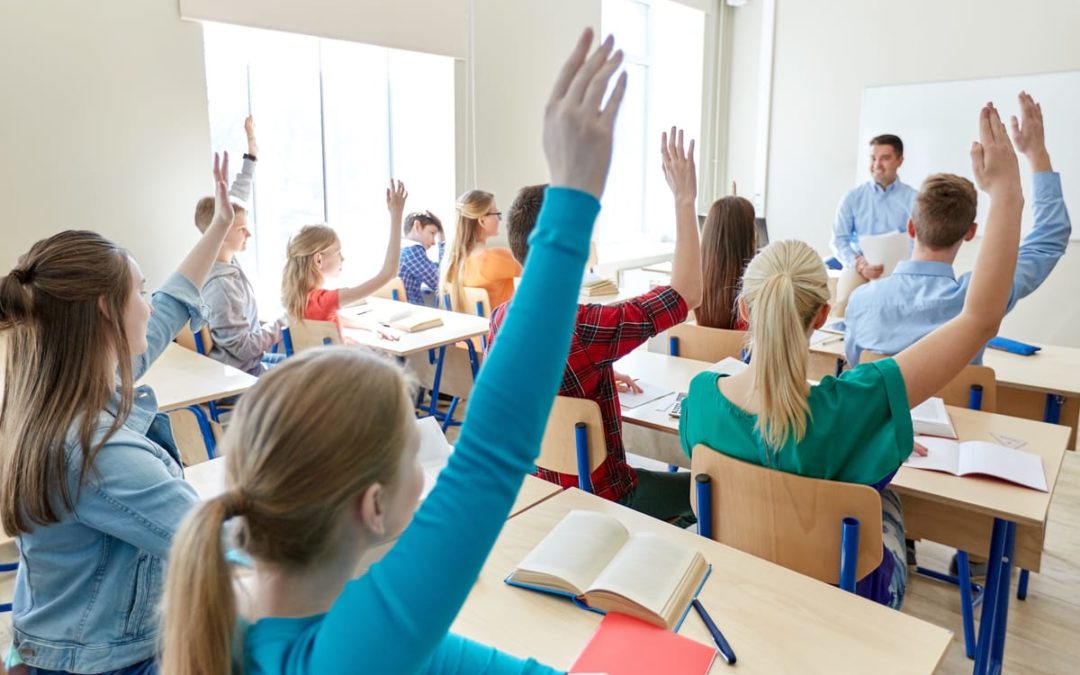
418, 272
878, 206
924, 292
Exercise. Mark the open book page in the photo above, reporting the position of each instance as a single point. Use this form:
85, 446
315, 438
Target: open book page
649, 570
434, 451
575, 550
990, 459
885, 249
729, 366
942, 455
649, 392
931, 417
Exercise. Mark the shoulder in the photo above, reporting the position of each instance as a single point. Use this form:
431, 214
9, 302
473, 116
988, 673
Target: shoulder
854, 386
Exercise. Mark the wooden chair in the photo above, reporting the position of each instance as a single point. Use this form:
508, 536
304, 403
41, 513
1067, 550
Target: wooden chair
196, 436
305, 334
573, 441
200, 342
824, 529
477, 301
692, 341
393, 290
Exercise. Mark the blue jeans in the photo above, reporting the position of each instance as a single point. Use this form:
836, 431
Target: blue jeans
147, 667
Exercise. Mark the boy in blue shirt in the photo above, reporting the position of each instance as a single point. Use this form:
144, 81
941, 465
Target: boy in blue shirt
893, 313
417, 270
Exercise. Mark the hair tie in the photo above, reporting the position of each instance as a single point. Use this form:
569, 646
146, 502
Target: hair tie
236, 503
23, 276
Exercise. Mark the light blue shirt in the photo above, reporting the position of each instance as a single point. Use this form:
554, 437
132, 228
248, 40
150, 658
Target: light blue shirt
870, 209
891, 314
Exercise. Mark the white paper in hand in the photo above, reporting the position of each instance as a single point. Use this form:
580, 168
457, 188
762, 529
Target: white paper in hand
885, 249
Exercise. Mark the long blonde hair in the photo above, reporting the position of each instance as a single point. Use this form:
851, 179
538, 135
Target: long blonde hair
310, 435
471, 206
301, 274
59, 346
784, 287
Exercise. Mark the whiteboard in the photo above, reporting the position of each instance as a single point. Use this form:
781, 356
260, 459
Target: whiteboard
939, 120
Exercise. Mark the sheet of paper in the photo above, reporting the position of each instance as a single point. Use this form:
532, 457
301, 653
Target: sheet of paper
942, 455
822, 336
990, 459
649, 392
434, 451
885, 249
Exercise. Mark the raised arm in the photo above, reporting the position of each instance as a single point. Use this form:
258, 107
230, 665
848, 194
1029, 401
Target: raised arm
245, 179
196, 266
933, 361
681, 175
396, 195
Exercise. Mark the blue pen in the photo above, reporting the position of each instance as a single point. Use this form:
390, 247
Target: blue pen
717, 636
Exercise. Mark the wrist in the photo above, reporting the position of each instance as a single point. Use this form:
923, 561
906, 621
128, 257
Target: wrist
1039, 160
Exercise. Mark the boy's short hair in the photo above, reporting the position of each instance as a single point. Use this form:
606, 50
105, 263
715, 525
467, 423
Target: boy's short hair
944, 210
425, 217
204, 212
889, 139
521, 219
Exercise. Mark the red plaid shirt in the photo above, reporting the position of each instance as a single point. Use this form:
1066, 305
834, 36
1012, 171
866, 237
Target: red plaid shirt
603, 335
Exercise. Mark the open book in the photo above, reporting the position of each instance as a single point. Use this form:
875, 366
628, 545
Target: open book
592, 558
728, 366
406, 318
885, 249
981, 458
930, 417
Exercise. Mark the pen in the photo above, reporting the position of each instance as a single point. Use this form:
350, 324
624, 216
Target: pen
717, 636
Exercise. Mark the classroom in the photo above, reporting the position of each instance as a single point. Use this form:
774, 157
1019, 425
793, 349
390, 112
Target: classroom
789, 363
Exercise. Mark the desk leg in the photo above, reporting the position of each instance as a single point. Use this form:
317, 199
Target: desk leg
966, 610
991, 645
839, 367
1021, 586
997, 648
1052, 409
436, 382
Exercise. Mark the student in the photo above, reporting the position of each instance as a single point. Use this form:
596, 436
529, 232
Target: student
923, 293
728, 242
604, 334
418, 272
90, 478
308, 518
240, 339
471, 263
879, 206
314, 255
855, 428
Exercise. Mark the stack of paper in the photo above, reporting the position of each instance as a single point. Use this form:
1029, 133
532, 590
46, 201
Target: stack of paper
885, 249
593, 286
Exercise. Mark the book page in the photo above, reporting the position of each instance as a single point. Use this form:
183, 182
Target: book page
648, 570
650, 392
942, 455
885, 249
577, 548
990, 459
931, 417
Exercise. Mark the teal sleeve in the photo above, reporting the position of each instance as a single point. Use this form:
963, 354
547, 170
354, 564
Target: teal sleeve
394, 618
461, 656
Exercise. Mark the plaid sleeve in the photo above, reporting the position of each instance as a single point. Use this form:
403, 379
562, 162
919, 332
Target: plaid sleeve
609, 332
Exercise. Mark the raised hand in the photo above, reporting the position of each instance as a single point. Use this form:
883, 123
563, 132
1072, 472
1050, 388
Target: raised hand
249, 129
223, 208
577, 131
992, 157
679, 168
396, 195
1028, 134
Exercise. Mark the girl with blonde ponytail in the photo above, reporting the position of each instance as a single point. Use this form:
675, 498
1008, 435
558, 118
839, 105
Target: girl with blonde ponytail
857, 427
322, 466
470, 262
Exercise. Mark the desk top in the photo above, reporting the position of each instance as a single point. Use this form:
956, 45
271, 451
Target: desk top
456, 327
662, 370
776, 620
181, 377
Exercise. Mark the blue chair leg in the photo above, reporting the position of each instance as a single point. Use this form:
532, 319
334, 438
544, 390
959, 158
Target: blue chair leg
673, 468
849, 553
449, 421
703, 484
581, 441
997, 647
967, 610
206, 429
1022, 584
394, 294
437, 382
286, 339
992, 598
673, 346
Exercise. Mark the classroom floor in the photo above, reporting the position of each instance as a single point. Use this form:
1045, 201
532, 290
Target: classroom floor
1042, 630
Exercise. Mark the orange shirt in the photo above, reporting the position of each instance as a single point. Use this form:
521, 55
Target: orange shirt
492, 269
322, 305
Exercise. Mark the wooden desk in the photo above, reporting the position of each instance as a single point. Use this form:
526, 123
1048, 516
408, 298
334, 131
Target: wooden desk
180, 378
669, 372
777, 621
456, 327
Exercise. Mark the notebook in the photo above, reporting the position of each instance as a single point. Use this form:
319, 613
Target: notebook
981, 458
406, 319
593, 559
649, 392
930, 417
623, 645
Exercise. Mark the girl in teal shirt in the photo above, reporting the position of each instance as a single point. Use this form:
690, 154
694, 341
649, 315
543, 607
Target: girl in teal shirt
322, 466
855, 428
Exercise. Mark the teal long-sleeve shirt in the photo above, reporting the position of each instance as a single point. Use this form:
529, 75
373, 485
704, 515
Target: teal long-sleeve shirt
396, 618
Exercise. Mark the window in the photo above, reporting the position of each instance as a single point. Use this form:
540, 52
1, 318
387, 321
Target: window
664, 89
334, 121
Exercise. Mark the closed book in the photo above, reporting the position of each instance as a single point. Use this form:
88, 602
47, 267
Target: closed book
623, 645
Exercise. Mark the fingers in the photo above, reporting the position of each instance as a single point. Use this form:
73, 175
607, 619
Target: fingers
599, 83
985, 134
587, 72
614, 101
571, 67
225, 166
978, 161
664, 152
1014, 125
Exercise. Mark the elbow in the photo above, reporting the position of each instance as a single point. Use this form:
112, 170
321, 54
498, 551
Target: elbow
690, 295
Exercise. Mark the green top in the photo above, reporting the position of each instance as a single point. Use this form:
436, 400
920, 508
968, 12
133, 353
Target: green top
859, 429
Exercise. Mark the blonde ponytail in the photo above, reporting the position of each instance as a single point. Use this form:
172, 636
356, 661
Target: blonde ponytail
471, 206
199, 606
784, 287
301, 275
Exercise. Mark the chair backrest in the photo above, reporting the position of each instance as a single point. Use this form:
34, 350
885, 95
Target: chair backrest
958, 391
787, 519
692, 341
393, 290
196, 436
305, 334
559, 448
477, 301
200, 342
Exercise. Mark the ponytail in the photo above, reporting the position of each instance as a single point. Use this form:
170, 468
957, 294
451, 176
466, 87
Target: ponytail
15, 298
301, 276
784, 288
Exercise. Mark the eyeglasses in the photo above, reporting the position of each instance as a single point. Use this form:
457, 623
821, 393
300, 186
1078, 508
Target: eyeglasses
497, 214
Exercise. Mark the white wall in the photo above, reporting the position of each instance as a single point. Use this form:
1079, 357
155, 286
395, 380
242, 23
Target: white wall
826, 53
103, 126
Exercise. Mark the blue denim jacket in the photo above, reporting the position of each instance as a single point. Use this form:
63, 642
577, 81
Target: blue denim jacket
88, 587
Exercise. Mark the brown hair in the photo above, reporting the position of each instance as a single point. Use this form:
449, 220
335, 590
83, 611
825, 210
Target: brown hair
351, 412
301, 275
59, 345
944, 210
521, 219
471, 206
728, 242
889, 139
425, 217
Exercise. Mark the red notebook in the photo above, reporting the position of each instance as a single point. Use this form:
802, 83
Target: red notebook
623, 645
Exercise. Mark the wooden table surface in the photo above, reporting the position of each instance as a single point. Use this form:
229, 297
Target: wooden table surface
181, 377
456, 327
